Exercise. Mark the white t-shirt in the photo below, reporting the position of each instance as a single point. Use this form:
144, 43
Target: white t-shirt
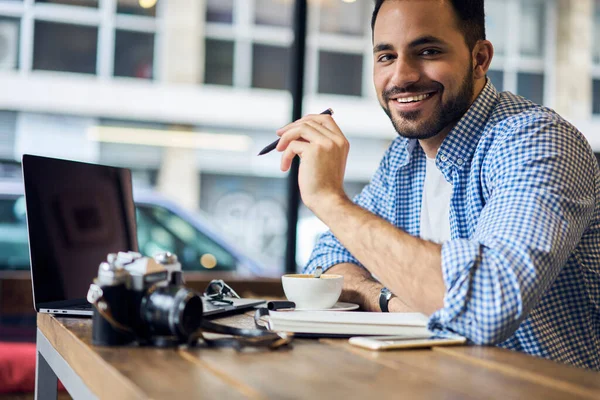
435, 206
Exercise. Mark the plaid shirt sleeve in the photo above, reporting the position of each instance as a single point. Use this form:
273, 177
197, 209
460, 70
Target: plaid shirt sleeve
329, 251
541, 199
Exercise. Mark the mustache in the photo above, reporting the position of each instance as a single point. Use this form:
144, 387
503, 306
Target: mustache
397, 90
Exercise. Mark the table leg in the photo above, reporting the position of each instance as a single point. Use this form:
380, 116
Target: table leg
46, 382
50, 367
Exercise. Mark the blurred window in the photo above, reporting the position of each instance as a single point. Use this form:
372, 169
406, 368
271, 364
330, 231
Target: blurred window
219, 11
532, 28
251, 212
219, 62
9, 43
495, 24
596, 38
531, 86
520, 65
345, 17
82, 3
596, 96
14, 250
134, 54
137, 7
270, 65
273, 12
497, 78
310, 228
9, 170
161, 230
65, 47
340, 73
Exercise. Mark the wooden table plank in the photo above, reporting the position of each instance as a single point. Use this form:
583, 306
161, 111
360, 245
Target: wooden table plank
314, 370
559, 377
464, 375
131, 372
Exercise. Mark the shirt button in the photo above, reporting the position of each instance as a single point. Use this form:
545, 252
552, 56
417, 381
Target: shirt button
443, 158
460, 161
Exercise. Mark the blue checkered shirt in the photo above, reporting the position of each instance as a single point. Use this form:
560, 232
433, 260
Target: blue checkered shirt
522, 267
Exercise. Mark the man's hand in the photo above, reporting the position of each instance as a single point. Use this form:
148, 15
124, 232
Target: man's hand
362, 289
323, 149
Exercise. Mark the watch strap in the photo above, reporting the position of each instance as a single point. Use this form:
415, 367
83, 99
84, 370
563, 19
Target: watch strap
384, 298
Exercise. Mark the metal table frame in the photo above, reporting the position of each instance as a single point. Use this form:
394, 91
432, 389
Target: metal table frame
51, 366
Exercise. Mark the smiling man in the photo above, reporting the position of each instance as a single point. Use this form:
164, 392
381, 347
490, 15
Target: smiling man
483, 213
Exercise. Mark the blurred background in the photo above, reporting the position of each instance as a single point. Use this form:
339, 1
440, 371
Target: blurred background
186, 92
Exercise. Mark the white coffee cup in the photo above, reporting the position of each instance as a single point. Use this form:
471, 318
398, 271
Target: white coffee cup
310, 293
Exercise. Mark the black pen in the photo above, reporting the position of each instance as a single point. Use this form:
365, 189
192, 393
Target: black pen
278, 305
273, 145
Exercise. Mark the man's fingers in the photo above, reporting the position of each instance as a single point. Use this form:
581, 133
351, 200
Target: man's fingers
315, 133
296, 148
307, 131
327, 121
322, 119
337, 137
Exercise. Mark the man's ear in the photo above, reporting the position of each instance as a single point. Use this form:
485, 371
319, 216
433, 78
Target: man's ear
483, 52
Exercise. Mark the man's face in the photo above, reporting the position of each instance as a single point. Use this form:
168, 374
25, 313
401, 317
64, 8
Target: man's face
423, 71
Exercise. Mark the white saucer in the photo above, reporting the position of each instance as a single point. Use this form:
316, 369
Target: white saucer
339, 306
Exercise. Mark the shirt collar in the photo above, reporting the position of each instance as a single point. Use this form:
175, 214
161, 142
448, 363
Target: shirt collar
460, 144
402, 148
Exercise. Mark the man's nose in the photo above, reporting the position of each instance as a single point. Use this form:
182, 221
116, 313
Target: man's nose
406, 72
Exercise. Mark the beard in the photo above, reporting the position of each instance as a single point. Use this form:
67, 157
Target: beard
448, 113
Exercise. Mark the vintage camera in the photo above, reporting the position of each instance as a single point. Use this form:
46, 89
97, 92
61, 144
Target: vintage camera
141, 299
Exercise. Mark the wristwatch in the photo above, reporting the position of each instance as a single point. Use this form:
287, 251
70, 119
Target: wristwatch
384, 299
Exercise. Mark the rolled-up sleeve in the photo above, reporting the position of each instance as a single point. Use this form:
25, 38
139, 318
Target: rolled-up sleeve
541, 189
328, 250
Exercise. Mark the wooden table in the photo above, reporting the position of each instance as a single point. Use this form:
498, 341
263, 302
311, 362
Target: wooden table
325, 368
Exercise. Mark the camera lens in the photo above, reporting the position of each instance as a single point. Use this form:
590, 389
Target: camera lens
172, 311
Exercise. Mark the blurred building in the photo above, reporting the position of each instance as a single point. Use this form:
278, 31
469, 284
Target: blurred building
186, 92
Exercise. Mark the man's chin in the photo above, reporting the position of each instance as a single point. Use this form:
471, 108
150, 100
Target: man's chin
414, 129
416, 135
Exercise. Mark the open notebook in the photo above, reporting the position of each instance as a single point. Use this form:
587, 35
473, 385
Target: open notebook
340, 323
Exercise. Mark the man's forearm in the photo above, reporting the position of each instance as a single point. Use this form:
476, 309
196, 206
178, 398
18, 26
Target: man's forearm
362, 289
409, 266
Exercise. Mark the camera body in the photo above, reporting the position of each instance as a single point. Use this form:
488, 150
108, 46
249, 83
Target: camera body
142, 300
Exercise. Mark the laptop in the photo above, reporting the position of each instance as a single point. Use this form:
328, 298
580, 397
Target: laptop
78, 213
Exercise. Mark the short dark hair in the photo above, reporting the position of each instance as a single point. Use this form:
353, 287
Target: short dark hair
471, 19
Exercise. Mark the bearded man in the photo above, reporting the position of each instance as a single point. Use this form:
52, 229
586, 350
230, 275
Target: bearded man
484, 211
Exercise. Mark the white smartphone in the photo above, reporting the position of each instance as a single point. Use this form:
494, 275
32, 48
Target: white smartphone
404, 342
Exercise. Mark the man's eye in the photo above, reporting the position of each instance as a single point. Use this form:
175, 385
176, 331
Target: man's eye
384, 58
430, 52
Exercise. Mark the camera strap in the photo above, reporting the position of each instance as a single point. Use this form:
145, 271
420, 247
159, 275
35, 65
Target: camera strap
96, 297
242, 338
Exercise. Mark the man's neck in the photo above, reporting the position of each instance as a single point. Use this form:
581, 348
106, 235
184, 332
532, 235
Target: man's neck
432, 145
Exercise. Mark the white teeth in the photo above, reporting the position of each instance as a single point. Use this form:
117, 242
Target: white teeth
412, 99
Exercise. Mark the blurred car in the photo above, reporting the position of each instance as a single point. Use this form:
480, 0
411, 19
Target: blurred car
161, 224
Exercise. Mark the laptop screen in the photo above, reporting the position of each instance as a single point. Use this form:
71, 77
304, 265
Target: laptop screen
77, 213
